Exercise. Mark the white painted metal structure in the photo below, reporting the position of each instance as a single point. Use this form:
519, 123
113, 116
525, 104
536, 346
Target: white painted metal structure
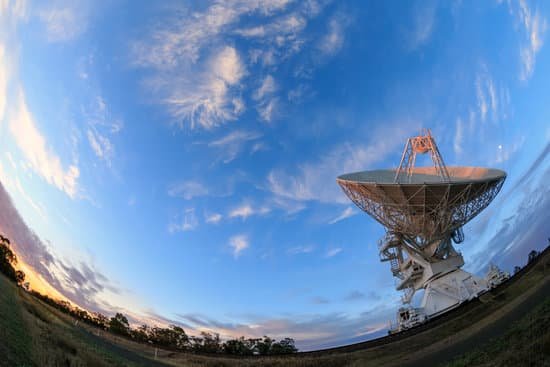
423, 210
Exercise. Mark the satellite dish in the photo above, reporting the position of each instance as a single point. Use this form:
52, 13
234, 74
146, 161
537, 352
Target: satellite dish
423, 210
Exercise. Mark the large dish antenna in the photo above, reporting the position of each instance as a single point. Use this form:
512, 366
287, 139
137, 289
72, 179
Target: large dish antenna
423, 210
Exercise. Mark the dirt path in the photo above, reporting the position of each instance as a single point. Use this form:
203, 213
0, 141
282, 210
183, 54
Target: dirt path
117, 350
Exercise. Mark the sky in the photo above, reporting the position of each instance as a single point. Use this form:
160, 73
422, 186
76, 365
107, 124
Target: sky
176, 161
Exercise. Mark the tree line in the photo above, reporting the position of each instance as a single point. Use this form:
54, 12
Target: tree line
172, 337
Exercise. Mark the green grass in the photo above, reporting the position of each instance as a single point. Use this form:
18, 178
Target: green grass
15, 342
526, 343
34, 334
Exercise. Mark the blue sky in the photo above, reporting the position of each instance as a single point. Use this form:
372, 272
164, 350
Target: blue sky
177, 161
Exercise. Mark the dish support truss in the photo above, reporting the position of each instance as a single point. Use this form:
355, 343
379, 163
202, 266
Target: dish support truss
420, 145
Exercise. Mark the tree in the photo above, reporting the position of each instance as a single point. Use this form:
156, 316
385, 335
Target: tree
141, 334
285, 346
19, 277
8, 261
119, 325
263, 346
100, 320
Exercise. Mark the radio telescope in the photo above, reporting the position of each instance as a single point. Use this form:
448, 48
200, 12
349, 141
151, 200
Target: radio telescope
423, 210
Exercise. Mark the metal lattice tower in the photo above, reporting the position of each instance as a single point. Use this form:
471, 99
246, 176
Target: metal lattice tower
420, 145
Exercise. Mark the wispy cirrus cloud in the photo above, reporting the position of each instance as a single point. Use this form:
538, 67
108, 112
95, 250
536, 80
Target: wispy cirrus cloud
101, 129
213, 218
533, 27
207, 98
333, 252
265, 96
101, 146
186, 52
64, 20
423, 23
180, 39
346, 213
492, 99
233, 143
311, 180
188, 189
34, 147
246, 210
185, 222
173, 49
459, 136
333, 40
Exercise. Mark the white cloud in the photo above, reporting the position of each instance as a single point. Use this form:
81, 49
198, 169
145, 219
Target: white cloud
64, 23
333, 252
423, 24
34, 147
38, 207
243, 211
281, 31
491, 99
264, 95
101, 127
258, 147
238, 244
268, 109
299, 93
459, 136
180, 40
316, 180
534, 27
17, 10
246, 210
346, 213
332, 42
213, 218
227, 66
290, 206
481, 99
188, 190
267, 87
188, 223
202, 93
233, 143
209, 98
101, 145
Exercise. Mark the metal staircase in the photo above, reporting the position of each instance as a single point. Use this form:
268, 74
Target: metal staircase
390, 251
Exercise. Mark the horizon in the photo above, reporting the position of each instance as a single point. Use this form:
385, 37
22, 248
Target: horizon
178, 162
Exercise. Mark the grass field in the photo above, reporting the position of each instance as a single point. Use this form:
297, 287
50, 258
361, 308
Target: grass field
506, 327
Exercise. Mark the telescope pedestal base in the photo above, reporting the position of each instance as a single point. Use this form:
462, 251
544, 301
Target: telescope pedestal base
450, 290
